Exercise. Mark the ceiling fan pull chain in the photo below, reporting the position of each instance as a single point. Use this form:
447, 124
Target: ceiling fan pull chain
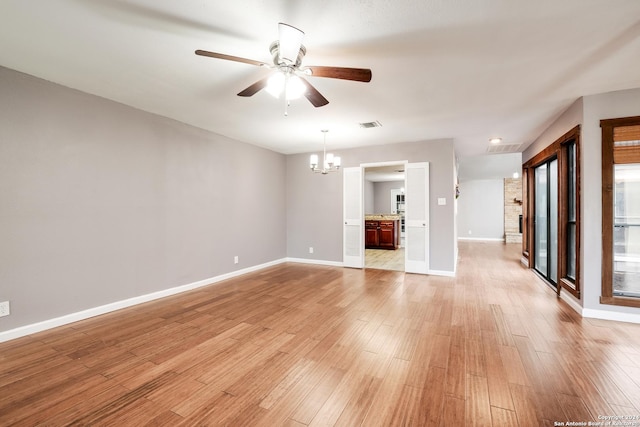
285, 93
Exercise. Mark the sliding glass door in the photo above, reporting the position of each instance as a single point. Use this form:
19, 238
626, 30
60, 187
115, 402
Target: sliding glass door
541, 255
551, 232
546, 221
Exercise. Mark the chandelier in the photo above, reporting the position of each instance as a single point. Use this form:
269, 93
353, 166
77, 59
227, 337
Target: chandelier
330, 163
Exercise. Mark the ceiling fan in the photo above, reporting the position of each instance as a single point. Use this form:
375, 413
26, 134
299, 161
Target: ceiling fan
287, 53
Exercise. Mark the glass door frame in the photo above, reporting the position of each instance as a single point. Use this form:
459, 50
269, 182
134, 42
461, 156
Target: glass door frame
569, 211
551, 218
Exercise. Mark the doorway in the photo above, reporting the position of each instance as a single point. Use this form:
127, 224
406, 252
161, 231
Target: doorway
416, 211
383, 187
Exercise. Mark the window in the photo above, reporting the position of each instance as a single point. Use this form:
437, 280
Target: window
572, 213
551, 233
569, 216
621, 211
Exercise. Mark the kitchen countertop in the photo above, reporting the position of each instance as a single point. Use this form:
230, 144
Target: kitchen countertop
379, 217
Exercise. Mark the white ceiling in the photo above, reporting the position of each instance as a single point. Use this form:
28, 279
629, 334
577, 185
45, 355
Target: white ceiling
466, 70
384, 173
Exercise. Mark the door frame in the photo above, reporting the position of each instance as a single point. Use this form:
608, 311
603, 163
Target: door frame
552, 282
363, 167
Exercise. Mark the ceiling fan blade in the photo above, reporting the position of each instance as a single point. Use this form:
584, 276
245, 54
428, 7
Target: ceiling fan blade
254, 88
312, 94
229, 57
357, 74
290, 39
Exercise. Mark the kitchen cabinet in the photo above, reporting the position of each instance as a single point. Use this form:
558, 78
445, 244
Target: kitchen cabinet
371, 234
384, 234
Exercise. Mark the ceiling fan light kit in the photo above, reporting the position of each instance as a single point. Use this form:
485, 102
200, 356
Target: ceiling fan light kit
287, 53
290, 85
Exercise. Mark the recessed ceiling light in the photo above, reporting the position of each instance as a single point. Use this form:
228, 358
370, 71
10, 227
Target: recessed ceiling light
495, 140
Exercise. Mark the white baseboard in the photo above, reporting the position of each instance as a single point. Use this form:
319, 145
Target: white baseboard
482, 239
96, 311
598, 314
611, 315
315, 261
571, 302
442, 273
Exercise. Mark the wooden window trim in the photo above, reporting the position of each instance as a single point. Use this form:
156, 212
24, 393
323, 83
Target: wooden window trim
558, 149
563, 178
606, 296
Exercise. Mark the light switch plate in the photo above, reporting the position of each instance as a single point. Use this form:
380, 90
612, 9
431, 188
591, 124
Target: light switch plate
442, 201
5, 309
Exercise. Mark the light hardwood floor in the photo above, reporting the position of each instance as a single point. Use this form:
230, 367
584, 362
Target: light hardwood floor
312, 345
384, 259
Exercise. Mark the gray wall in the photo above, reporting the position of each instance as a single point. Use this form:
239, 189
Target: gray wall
382, 196
588, 112
369, 197
314, 202
481, 209
101, 202
570, 118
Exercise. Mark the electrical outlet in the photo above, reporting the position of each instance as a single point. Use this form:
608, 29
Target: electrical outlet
235, 259
310, 249
5, 309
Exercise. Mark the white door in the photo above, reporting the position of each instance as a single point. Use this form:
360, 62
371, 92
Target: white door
352, 202
416, 223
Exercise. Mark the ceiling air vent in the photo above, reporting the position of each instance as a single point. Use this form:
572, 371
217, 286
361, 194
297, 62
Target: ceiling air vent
368, 125
504, 148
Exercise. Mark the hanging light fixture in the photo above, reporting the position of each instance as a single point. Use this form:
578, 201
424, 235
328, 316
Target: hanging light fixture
285, 83
330, 163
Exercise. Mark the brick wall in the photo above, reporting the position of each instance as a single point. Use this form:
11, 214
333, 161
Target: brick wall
512, 210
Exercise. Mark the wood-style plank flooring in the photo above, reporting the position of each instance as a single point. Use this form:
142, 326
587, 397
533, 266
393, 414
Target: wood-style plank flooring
299, 345
384, 259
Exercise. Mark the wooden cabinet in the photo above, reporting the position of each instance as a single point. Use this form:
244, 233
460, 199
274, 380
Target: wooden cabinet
384, 234
371, 235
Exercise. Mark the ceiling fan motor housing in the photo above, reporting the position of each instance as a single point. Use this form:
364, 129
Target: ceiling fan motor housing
274, 49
